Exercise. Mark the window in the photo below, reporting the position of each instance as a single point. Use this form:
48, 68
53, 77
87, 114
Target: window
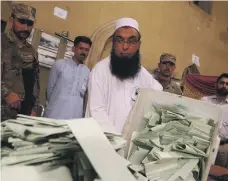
206, 6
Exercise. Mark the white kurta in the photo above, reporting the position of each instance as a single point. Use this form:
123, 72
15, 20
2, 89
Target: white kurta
224, 105
110, 100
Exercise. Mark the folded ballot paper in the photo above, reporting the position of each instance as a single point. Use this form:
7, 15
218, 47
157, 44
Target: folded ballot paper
170, 138
80, 144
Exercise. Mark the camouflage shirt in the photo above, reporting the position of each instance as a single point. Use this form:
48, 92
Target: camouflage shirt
171, 87
16, 59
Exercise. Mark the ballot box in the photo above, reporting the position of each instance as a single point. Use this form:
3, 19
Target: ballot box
145, 122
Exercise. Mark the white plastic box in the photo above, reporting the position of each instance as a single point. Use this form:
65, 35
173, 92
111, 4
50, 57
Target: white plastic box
148, 96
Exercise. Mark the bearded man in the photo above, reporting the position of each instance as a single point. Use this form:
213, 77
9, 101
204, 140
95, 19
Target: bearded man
114, 81
221, 99
19, 66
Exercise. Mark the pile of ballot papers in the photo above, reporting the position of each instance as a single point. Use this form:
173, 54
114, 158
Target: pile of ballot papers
29, 140
172, 145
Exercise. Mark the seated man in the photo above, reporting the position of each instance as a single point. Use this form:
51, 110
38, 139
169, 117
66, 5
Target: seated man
221, 98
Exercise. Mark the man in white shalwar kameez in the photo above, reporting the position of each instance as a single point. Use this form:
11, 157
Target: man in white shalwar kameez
115, 80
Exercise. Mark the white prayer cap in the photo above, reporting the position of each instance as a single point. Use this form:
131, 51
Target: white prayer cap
127, 22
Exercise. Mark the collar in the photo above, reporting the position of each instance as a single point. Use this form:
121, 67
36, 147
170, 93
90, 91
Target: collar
164, 82
76, 64
12, 38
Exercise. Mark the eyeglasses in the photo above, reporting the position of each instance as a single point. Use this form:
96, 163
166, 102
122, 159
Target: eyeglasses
223, 83
129, 42
25, 21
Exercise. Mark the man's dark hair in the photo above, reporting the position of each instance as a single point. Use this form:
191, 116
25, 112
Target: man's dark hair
83, 39
224, 75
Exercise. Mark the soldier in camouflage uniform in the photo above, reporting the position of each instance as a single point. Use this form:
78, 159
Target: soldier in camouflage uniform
19, 66
163, 74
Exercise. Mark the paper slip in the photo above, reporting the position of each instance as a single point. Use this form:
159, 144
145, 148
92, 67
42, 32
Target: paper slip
99, 151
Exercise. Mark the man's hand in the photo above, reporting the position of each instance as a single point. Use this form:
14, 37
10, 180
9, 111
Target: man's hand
33, 113
13, 101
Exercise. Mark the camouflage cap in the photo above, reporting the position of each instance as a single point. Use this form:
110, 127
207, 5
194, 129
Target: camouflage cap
23, 11
166, 57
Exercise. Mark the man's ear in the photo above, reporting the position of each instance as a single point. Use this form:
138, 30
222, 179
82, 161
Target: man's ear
139, 44
174, 68
73, 48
